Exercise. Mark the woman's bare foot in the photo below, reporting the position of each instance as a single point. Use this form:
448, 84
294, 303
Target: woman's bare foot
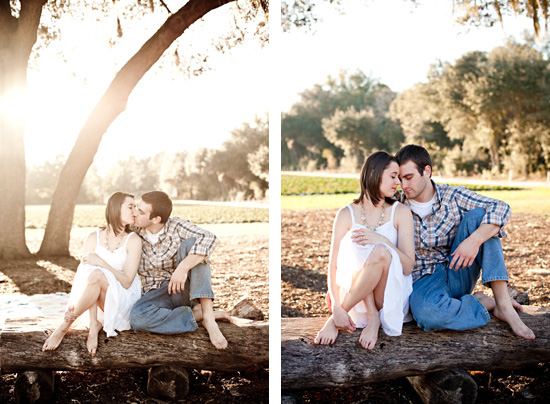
55, 339
216, 336
369, 335
328, 333
510, 316
218, 314
91, 344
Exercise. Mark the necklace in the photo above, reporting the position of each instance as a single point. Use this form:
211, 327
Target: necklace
107, 232
364, 217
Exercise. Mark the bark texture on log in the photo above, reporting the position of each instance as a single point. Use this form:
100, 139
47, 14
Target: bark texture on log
452, 386
21, 343
346, 363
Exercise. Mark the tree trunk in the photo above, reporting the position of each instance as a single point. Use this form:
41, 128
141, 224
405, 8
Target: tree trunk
21, 343
494, 346
17, 37
109, 107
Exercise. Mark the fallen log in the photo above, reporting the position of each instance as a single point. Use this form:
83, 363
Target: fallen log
21, 343
449, 386
306, 365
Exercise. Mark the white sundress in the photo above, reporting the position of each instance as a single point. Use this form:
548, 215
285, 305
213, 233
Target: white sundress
118, 300
352, 257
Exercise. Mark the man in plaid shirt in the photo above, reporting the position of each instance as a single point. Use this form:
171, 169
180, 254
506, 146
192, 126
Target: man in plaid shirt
174, 272
457, 239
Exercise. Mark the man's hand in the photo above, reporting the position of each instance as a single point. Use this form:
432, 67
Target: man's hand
465, 254
177, 281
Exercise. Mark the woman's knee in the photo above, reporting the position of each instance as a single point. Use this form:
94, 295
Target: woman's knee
97, 278
379, 255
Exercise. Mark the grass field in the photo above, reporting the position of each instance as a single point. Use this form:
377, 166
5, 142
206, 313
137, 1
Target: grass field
310, 185
94, 215
532, 200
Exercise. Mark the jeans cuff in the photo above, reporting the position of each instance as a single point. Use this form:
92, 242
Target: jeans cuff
203, 295
485, 281
483, 310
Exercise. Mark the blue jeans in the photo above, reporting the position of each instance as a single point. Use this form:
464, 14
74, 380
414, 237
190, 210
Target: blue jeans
443, 300
159, 312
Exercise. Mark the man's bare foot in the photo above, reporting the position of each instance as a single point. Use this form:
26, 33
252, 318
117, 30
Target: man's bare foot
55, 339
218, 314
487, 301
91, 344
510, 316
369, 335
216, 336
328, 333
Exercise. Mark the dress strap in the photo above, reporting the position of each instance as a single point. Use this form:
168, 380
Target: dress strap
352, 215
393, 210
127, 238
97, 234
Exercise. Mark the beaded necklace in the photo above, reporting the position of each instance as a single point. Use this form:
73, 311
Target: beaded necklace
107, 241
364, 217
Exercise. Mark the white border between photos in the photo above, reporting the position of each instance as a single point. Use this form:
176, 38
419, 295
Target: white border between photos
274, 205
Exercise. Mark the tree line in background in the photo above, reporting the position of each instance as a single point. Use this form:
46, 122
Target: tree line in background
239, 170
486, 113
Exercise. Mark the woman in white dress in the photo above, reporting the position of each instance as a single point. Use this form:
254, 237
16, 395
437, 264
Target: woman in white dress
371, 258
105, 283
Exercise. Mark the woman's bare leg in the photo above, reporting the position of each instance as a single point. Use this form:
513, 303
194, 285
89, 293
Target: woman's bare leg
369, 277
88, 299
209, 322
363, 284
369, 335
95, 328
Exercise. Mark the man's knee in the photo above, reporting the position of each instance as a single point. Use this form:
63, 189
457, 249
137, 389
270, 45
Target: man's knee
185, 248
472, 220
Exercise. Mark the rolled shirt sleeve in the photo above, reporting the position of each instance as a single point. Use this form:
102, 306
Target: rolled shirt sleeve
205, 241
497, 212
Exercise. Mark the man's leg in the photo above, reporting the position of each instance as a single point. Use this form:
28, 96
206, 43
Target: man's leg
159, 312
433, 307
198, 289
490, 259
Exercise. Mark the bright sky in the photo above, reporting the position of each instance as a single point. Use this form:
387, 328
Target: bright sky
165, 112
392, 40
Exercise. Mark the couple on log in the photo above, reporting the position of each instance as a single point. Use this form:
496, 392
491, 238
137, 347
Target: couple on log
173, 290
418, 251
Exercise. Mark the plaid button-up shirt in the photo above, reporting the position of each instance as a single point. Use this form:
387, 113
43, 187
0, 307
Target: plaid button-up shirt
159, 261
434, 235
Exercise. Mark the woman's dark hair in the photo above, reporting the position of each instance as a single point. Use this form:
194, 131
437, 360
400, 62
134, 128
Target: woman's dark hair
417, 154
371, 177
113, 209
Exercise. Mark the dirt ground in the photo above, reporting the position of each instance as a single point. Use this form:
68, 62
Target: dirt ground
305, 237
240, 269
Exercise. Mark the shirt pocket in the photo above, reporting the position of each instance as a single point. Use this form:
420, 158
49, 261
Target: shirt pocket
443, 227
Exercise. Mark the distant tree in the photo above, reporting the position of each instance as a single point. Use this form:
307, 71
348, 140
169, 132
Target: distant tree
302, 127
498, 102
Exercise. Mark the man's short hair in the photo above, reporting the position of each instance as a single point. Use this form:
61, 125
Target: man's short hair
161, 204
417, 154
